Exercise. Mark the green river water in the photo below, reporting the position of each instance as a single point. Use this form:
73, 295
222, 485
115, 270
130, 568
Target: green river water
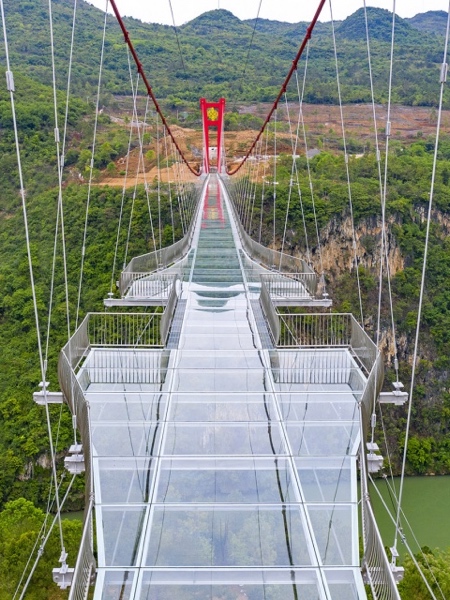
426, 504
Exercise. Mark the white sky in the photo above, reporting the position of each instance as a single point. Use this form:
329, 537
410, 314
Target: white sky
158, 11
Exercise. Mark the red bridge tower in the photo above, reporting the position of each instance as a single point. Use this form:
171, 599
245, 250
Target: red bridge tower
212, 116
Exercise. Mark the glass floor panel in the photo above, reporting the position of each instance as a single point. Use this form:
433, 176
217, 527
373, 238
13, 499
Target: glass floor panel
220, 536
123, 480
250, 481
223, 471
123, 406
223, 439
125, 439
314, 409
225, 407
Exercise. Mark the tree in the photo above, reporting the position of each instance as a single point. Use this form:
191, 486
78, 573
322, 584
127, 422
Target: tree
438, 567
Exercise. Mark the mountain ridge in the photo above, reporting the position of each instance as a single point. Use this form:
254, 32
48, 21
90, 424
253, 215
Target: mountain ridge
216, 52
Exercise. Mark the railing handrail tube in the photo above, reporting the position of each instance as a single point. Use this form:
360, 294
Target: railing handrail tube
374, 562
81, 578
166, 319
270, 313
293, 281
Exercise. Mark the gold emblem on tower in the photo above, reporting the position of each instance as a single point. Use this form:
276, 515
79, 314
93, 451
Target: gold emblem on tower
212, 113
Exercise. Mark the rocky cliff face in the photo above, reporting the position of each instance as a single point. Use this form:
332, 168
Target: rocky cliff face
338, 253
430, 425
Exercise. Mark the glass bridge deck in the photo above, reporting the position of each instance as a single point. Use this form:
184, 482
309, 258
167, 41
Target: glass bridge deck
221, 476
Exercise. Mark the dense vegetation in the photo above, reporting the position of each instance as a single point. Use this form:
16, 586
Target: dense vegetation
407, 198
21, 524
24, 472
215, 47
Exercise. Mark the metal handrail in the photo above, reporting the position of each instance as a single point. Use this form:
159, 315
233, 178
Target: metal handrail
318, 330
114, 330
145, 285
291, 285
270, 313
125, 330
167, 317
375, 563
342, 330
85, 565
162, 258
272, 259
73, 394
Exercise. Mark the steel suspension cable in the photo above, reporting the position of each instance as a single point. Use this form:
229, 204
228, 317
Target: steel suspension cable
251, 191
45, 540
294, 171
293, 68
42, 532
178, 37
11, 90
60, 211
61, 160
308, 166
135, 119
263, 185
158, 166
383, 210
146, 186
384, 189
169, 188
275, 183
141, 71
383, 251
346, 159
122, 202
443, 80
257, 178
244, 70
60, 208
91, 167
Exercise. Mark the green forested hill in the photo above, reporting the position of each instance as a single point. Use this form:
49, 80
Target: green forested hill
433, 21
215, 48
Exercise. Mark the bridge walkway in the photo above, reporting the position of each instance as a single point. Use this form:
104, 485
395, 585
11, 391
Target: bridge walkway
224, 468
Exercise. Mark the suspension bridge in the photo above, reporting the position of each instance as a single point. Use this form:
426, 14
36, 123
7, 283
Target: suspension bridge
223, 411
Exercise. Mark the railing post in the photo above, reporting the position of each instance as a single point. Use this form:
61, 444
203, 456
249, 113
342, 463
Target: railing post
270, 313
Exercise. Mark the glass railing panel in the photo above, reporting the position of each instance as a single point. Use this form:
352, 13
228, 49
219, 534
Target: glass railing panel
343, 585
313, 377
126, 406
221, 359
117, 585
220, 380
318, 407
289, 584
213, 341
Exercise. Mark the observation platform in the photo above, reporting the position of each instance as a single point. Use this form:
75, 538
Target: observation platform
225, 466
